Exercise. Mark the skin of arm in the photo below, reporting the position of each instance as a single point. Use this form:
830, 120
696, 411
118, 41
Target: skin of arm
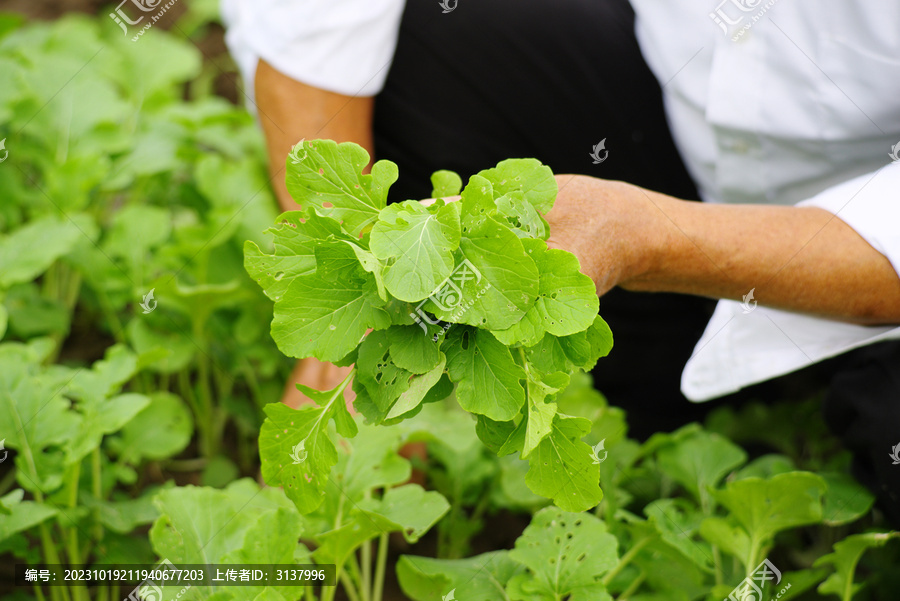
801, 259
288, 112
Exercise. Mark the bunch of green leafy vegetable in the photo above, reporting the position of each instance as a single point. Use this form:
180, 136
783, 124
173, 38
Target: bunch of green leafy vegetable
463, 294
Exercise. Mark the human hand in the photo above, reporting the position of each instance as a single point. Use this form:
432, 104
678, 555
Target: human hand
616, 230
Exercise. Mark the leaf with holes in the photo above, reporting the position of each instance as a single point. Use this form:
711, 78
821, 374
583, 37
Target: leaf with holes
567, 300
566, 555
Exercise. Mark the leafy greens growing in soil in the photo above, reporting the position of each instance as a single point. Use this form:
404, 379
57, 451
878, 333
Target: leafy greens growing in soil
461, 297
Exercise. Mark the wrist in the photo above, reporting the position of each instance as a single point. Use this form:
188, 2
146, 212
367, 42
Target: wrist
658, 242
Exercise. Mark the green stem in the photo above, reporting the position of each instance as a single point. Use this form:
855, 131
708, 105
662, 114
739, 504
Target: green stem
378, 586
717, 559
753, 556
39, 593
110, 315
207, 442
79, 592
354, 571
74, 473
349, 588
634, 586
97, 490
50, 555
626, 559
366, 552
8, 480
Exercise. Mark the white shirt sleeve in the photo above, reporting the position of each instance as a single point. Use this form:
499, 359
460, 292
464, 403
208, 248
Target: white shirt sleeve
344, 46
745, 344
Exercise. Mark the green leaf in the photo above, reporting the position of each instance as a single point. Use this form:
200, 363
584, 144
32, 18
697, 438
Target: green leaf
408, 509
522, 217
419, 387
726, 536
203, 525
101, 414
766, 507
32, 314
135, 231
296, 450
495, 434
417, 244
846, 500
541, 411
483, 577
765, 467
566, 554
34, 418
295, 239
700, 461
383, 380
569, 353
445, 183
534, 181
844, 559
161, 430
677, 522
369, 263
563, 468
124, 516
495, 281
486, 375
28, 251
411, 349
373, 462
567, 301
329, 177
21, 515
326, 319
238, 524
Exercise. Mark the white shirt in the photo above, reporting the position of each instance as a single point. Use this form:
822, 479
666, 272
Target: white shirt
778, 102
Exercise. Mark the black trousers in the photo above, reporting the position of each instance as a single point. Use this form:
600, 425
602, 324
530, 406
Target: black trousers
496, 79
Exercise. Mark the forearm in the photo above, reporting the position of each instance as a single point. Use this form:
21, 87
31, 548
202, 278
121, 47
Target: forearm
801, 259
290, 111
